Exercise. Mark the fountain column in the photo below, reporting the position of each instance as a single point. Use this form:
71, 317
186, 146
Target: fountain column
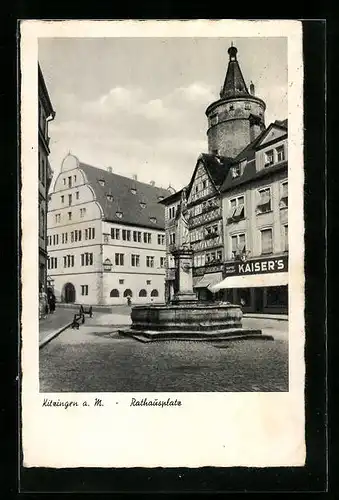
183, 258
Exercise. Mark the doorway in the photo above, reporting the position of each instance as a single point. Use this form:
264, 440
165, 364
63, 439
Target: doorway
259, 300
69, 293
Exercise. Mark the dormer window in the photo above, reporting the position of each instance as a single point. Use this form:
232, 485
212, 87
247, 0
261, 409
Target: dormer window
236, 171
133, 190
101, 182
160, 198
247, 106
118, 214
142, 204
153, 220
269, 158
231, 107
109, 197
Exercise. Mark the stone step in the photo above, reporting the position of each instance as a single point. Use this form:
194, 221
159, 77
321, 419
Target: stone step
231, 334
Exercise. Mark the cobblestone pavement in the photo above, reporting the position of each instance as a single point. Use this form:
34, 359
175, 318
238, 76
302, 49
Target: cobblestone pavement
96, 359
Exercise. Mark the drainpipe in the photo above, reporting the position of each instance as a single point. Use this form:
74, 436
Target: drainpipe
101, 276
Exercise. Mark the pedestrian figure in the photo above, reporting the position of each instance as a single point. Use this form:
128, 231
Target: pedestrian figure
242, 302
51, 302
128, 300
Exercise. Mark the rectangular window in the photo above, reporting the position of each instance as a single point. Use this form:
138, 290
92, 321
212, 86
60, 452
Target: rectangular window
86, 259
162, 261
75, 178
72, 236
115, 233
137, 236
266, 241
238, 244
79, 235
161, 239
69, 182
119, 259
147, 238
284, 195
84, 289
62, 199
237, 209
69, 215
269, 158
77, 195
69, 199
124, 234
135, 260
214, 119
82, 212
57, 218
280, 153
264, 203
172, 238
149, 261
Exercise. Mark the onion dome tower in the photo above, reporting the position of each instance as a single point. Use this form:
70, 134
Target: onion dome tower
238, 117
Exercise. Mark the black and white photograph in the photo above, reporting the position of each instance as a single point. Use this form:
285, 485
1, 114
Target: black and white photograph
166, 234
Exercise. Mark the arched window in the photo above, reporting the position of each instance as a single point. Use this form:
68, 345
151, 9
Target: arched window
114, 293
128, 293
142, 293
154, 293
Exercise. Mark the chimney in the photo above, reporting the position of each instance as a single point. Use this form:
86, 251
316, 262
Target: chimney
109, 169
252, 88
152, 183
134, 177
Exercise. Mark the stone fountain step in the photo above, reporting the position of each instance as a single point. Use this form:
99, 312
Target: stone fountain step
222, 335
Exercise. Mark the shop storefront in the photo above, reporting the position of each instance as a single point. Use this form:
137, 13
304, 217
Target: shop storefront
260, 285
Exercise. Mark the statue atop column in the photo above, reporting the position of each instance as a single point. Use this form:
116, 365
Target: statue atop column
182, 236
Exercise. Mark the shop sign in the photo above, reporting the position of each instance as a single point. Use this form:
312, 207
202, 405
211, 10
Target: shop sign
257, 266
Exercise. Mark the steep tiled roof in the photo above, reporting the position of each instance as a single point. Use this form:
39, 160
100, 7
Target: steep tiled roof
217, 167
137, 209
234, 85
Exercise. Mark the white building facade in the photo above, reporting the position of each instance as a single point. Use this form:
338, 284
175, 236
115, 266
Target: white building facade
106, 238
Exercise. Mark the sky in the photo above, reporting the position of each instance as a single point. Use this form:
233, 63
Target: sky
138, 104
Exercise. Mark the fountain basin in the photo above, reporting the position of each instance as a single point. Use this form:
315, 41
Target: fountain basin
183, 317
193, 320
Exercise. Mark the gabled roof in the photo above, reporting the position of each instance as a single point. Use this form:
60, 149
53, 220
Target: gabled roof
121, 189
217, 167
234, 84
250, 172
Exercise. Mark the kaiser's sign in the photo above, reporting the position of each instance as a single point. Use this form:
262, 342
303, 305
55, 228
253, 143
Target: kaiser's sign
257, 266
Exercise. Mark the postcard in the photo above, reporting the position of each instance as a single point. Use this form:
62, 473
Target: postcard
162, 268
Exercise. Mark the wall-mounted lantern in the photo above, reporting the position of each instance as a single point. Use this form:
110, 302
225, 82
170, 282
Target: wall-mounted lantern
107, 266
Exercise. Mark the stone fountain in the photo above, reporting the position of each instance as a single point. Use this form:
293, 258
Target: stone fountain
186, 318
